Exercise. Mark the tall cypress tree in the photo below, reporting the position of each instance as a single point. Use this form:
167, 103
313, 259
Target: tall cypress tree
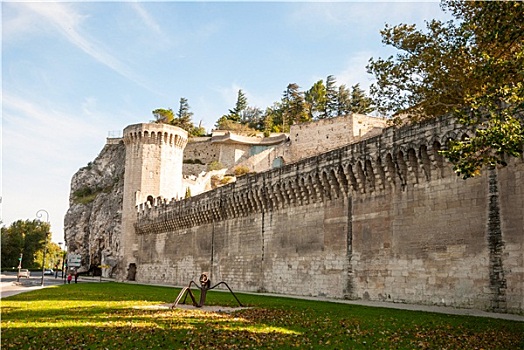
343, 101
241, 104
183, 116
330, 109
316, 99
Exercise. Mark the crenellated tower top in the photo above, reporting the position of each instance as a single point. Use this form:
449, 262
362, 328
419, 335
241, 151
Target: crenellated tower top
161, 134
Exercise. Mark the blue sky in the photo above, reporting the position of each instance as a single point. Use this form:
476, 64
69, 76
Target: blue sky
73, 72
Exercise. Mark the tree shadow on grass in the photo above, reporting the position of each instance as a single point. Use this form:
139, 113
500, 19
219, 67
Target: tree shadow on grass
131, 328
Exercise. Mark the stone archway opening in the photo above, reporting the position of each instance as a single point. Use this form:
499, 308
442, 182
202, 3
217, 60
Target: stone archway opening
131, 272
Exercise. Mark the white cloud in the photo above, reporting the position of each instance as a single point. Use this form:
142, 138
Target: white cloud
33, 132
147, 19
68, 23
149, 32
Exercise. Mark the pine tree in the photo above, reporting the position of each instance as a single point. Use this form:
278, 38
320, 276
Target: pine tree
316, 100
330, 109
241, 104
360, 103
294, 109
343, 101
183, 116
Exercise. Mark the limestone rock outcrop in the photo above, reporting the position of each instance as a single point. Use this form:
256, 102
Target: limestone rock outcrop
92, 225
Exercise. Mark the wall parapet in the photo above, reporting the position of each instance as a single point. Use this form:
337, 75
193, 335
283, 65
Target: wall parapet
155, 134
391, 161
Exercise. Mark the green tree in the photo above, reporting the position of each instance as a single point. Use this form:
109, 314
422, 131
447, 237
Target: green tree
198, 130
165, 116
470, 67
54, 255
294, 108
26, 237
360, 102
253, 117
241, 104
183, 116
228, 121
331, 104
343, 101
238, 128
273, 119
12, 243
224, 123
315, 99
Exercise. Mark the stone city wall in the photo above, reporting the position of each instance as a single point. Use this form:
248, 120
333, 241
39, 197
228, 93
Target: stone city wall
202, 149
313, 138
382, 219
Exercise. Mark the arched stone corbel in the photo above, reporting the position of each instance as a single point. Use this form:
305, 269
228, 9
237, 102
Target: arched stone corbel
412, 166
401, 169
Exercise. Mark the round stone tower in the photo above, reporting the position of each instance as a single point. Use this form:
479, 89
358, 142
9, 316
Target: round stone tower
153, 168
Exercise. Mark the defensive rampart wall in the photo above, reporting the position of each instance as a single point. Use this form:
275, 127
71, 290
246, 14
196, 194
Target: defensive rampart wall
382, 219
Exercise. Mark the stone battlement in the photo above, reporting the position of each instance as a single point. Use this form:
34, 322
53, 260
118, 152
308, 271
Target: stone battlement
155, 134
389, 162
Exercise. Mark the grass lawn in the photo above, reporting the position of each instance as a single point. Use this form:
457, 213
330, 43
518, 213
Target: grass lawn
121, 316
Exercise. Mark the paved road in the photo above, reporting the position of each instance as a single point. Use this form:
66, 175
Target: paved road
10, 287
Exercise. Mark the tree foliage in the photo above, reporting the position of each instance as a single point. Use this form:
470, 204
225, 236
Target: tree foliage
233, 119
241, 104
359, 102
293, 107
165, 116
27, 238
315, 99
183, 116
331, 106
343, 101
470, 67
296, 106
182, 119
253, 117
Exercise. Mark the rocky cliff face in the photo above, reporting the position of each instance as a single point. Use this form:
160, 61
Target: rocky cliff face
92, 225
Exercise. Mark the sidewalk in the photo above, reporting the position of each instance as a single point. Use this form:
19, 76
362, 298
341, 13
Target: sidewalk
11, 288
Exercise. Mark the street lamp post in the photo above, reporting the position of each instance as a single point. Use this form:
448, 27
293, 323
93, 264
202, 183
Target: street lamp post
19, 267
64, 263
62, 257
39, 215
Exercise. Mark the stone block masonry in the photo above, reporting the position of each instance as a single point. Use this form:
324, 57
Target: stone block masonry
153, 167
382, 219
